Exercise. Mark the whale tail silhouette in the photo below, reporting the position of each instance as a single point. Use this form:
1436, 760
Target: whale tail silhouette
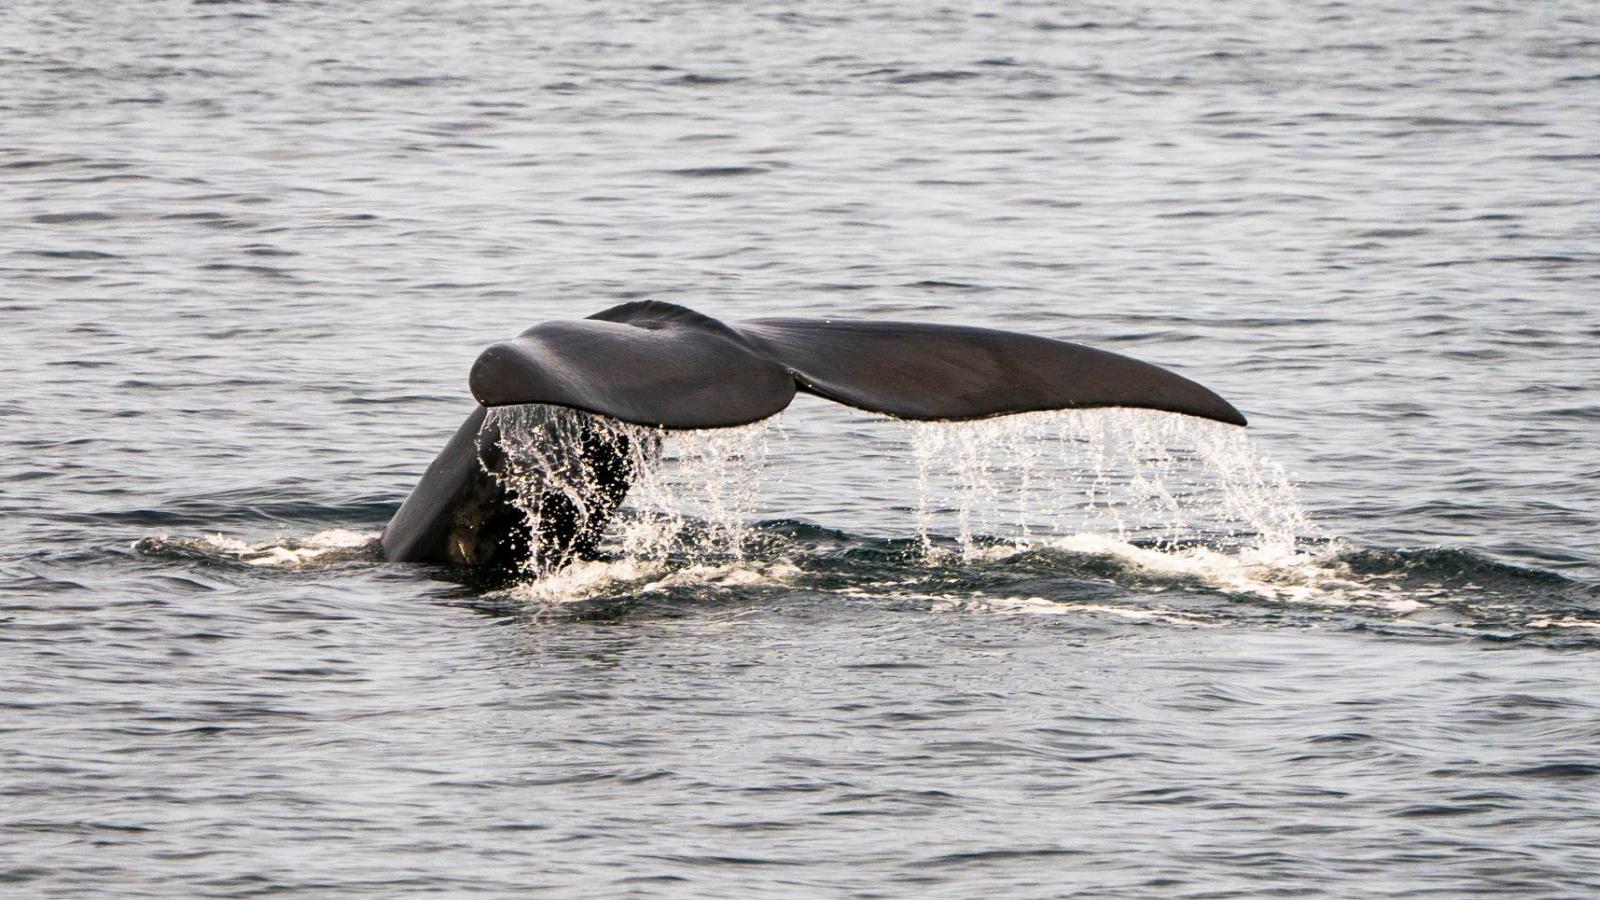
654, 363
665, 366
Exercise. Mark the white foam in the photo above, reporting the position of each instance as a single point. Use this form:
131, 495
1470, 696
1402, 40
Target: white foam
288, 551
585, 580
1310, 576
1567, 622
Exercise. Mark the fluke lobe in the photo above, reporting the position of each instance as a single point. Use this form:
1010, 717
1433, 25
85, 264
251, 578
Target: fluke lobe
667, 367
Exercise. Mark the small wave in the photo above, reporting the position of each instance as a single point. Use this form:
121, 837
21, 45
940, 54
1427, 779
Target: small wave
72, 254
717, 171
72, 218
939, 75
1041, 606
693, 80
1277, 573
1438, 590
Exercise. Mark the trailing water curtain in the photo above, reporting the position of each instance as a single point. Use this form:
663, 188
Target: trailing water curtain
589, 383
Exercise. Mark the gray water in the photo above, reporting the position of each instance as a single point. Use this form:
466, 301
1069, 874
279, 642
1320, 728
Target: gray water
249, 251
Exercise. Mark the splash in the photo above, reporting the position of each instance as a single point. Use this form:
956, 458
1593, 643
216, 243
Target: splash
691, 493
1162, 492
700, 501
1141, 478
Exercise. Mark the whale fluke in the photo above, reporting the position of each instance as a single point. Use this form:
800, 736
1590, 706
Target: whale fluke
647, 363
664, 366
950, 372
654, 363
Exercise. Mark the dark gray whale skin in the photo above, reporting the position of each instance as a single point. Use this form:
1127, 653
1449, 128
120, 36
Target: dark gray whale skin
662, 365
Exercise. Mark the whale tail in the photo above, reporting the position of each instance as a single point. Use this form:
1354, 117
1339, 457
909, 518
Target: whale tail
664, 366
654, 363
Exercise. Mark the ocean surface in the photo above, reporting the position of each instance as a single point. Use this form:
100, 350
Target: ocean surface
250, 249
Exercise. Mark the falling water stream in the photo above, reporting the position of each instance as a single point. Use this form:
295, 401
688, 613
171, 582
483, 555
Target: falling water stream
1156, 493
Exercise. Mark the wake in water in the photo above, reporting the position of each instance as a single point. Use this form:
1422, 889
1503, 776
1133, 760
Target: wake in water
1133, 515
1127, 513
